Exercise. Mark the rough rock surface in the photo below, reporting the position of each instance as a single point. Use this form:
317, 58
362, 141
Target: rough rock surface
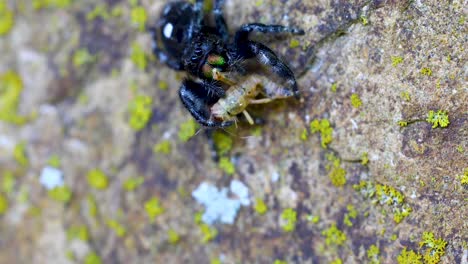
398, 60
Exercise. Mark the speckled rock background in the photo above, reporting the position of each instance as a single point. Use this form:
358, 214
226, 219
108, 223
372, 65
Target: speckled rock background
83, 63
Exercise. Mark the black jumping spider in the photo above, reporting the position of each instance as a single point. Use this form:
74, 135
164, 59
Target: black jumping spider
190, 44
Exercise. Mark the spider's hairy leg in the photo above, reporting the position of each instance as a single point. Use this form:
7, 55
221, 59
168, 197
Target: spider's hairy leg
197, 99
221, 25
243, 33
267, 57
160, 54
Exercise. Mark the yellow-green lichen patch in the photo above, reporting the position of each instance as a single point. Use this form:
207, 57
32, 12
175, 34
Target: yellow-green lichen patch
227, 166
396, 60
373, 254
334, 236
426, 71
92, 205
337, 261
278, 261
139, 17
434, 248
385, 195
7, 18
132, 183
119, 229
3, 204
294, 43
289, 217
39, 4
356, 101
138, 56
409, 257
405, 95
364, 158
334, 87
140, 111
187, 130
208, 233
314, 219
92, 258
8, 182
172, 236
78, 232
82, 57
326, 131
163, 147
163, 85
54, 161
222, 141
153, 208
11, 87
351, 214
60, 193
304, 134
336, 173
97, 179
19, 153
464, 177
439, 118
99, 10
260, 206
364, 20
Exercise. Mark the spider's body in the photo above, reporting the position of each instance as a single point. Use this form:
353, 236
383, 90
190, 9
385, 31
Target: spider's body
190, 44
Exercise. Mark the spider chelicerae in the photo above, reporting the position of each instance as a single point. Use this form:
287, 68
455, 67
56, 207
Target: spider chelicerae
184, 40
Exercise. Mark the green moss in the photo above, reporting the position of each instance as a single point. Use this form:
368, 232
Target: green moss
132, 183
405, 95
139, 17
326, 131
78, 232
208, 233
355, 101
119, 229
163, 147
426, 71
409, 257
434, 248
260, 206
140, 111
60, 193
153, 208
11, 87
373, 254
7, 18
351, 214
439, 118
294, 43
334, 87
222, 141
97, 179
336, 173
172, 236
289, 215
3, 204
138, 56
187, 130
92, 258
226, 165
82, 57
334, 236
396, 60
99, 10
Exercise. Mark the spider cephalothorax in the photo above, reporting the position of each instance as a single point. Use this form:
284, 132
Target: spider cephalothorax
206, 52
